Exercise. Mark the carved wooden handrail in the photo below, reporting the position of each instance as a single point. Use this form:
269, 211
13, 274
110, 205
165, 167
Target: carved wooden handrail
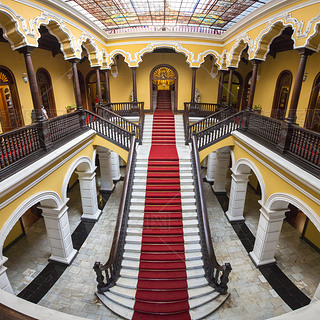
17, 144
121, 121
217, 275
111, 270
208, 121
108, 130
126, 108
200, 109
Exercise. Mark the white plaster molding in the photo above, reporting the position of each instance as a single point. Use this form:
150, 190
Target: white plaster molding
301, 205
30, 171
235, 169
82, 160
297, 173
53, 199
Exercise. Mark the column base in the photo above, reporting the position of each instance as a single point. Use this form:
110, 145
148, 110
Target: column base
232, 218
209, 180
92, 217
219, 191
258, 263
107, 190
68, 260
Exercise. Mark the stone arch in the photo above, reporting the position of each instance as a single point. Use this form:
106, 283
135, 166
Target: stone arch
10, 26
281, 200
83, 164
111, 57
236, 51
47, 198
244, 166
266, 36
92, 50
313, 41
62, 34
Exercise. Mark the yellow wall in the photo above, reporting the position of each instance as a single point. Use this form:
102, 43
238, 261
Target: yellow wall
15, 232
312, 234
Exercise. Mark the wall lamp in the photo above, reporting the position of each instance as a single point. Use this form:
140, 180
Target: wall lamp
305, 75
24, 77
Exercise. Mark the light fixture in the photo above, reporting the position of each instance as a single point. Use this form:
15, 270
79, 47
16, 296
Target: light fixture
305, 75
24, 77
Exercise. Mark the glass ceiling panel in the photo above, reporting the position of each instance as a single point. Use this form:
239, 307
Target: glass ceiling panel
209, 16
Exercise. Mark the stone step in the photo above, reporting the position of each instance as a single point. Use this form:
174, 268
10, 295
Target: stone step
140, 216
183, 182
140, 208
186, 230
184, 201
189, 256
142, 187
193, 247
142, 194
139, 223
138, 239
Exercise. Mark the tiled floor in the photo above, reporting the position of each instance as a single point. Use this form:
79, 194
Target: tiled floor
251, 295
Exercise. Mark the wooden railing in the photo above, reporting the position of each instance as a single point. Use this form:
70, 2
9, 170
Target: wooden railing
121, 122
219, 131
217, 275
126, 109
205, 122
108, 130
17, 144
107, 274
62, 126
197, 109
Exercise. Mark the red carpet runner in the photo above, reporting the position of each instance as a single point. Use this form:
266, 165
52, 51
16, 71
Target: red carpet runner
162, 289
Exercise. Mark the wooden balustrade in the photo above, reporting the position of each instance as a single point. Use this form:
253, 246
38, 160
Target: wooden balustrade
217, 275
264, 127
62, 126
208, 121
17, 144
126, 109
122, 122
219, 131
197, 109
108, 130
108, 273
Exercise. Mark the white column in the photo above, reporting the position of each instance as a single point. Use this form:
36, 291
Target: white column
4, 281
316, 295
116, 175
211, 166
105, 170
58, 231
268, 233
205, 162
88, 190
220, 179
238, 193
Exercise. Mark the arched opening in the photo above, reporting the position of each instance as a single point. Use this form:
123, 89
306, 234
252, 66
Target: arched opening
312, 121
92, 91
236, 89
246, 91
164, 87
281, 95
10, 108
82, 90
46, 92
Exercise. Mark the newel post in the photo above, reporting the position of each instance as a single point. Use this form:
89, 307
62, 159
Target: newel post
43, 125
285, 136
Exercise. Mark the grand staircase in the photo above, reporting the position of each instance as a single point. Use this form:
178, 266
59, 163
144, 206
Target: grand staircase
162, 275
164, 100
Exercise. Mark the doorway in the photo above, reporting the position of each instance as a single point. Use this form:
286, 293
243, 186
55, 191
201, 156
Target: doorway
164, 86
10, 108
281, 95
313, 114
46, 92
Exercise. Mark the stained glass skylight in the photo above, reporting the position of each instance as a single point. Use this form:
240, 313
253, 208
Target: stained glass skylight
209, 16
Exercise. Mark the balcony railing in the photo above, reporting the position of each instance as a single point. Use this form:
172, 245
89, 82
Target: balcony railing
197, 109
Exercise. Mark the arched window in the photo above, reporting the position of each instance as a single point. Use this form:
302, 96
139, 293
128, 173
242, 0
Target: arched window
10, 108
236, 89
46, 92
313, 114
281, 95
92, 93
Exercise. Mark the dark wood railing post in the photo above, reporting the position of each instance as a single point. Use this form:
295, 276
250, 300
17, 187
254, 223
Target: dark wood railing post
134, 106
43, 127
285, 137
108, 100
255, 63
292, 116
220, 91
98, 85
229, 85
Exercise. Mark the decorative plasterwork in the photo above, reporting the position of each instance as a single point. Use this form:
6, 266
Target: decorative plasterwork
235, 54
11, 27
91, 47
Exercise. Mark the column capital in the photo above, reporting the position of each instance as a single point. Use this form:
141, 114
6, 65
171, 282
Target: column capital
74, 60
26, 49
86, 175
273, 215
240, 177
305, 51
55, 213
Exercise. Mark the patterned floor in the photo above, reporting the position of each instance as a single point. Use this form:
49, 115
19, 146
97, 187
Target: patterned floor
251, 296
